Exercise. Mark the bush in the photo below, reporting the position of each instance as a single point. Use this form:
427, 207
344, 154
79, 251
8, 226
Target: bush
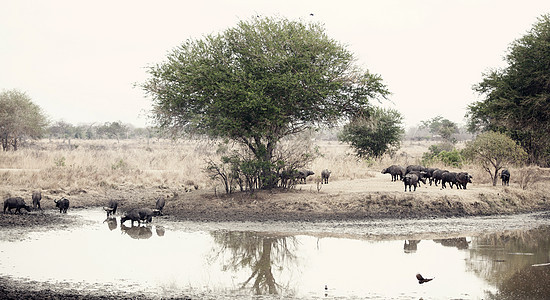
444, 153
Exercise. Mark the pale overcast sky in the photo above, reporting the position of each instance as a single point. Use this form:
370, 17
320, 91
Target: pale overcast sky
79, 60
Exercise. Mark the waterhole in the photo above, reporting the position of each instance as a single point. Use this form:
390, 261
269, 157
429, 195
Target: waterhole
466, 258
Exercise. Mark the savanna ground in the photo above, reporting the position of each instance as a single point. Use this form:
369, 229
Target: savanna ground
135, 173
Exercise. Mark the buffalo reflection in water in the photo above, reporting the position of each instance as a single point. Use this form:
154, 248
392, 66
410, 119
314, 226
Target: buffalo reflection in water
111, 223
259, 252
141, 232
410, 246
137, 232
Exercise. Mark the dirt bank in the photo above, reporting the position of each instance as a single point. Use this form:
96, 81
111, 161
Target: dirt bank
375, 197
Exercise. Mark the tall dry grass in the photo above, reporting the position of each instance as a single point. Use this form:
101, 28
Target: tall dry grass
104, 164
111, 164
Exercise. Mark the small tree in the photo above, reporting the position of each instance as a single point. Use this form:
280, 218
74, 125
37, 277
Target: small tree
494, 150
19, 118
375, 133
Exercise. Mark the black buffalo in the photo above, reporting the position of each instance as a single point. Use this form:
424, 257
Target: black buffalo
450, 178
411, 168
111, 207
159, 206
138, 215
430, 173
421, 176
505, 177
437, 176
36, 197
17, 203
412, 180
395, 171
62, 204
462, 179
303, 174
325, 174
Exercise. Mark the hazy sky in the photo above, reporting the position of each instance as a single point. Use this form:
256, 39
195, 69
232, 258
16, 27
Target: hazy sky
79, 60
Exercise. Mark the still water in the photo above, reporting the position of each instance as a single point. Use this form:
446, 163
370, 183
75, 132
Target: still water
506, 256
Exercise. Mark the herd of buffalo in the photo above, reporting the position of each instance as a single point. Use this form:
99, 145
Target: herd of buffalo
412, 175
134, 215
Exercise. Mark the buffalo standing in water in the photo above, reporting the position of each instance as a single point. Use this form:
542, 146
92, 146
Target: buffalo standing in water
159, 206
138, 214
17, 203
36, 197
111, 207
62, 204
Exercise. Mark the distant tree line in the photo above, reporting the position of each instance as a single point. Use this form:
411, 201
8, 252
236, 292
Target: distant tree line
108, 130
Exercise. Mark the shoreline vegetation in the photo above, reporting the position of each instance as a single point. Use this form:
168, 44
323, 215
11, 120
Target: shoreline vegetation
137, 172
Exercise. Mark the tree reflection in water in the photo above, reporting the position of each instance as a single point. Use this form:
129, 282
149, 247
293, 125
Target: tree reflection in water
261, 252
515, 261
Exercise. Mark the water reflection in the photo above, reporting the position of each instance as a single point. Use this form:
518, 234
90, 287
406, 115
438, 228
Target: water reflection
206, 261
258, 252
141, 232
460, 243
410, 246
515, 261
111, 223
138, 232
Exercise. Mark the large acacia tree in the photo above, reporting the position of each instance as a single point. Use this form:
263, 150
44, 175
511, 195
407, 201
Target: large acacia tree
258, 82
517, 98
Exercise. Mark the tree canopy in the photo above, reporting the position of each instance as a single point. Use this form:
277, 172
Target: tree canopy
442, 127
493, 151
374, 134
19, 118
260, 81
517, 98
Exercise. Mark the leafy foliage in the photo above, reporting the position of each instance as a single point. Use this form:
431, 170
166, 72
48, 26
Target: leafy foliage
493, 151
374, 134
517, 98
442, 127
259, 82
19, 118
444, 153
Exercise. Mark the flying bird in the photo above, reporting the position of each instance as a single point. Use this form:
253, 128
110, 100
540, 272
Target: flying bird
421, 279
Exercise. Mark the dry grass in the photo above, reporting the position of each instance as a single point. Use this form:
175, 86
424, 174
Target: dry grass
137, 172
50, 165
176, 165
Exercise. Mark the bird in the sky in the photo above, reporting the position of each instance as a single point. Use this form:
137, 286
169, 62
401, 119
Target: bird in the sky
421, 279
